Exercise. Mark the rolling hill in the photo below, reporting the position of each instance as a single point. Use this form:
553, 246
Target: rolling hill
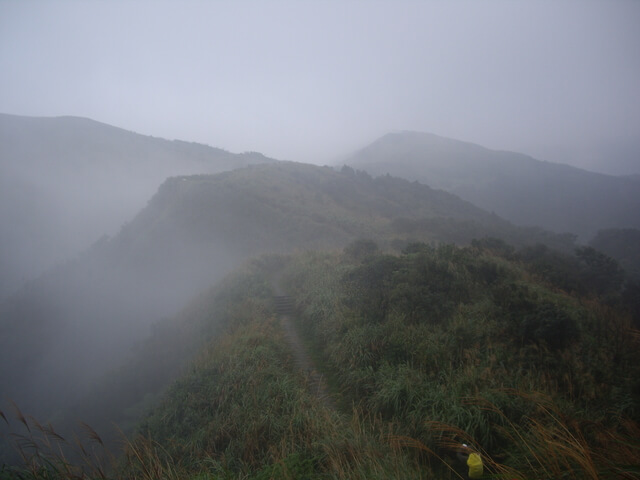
516, 187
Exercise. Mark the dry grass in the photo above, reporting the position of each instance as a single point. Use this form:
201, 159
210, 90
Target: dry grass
45, 453
546, 445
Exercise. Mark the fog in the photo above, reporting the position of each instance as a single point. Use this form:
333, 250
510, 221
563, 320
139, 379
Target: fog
67, 182
89, 258
304, 81
314, 81
65, 330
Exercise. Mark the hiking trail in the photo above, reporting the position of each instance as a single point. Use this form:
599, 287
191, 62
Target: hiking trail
316, 382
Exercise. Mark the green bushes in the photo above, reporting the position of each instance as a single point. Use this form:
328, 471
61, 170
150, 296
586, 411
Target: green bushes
549, 325
432, 335
423, 285
533, 317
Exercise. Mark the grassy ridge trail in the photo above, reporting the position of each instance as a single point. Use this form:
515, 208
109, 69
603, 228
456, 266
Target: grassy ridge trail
315, 380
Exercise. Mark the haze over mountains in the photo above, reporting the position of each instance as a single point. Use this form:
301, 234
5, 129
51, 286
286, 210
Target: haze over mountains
67, 181
516, 187
416, 219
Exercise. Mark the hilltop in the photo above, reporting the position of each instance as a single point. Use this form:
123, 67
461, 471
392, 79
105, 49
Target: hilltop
516, 187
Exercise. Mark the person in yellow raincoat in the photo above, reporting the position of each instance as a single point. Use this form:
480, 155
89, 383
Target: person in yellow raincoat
473, 460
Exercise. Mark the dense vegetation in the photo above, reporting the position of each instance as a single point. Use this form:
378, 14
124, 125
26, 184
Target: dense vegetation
462, 338
622, 244
532, 362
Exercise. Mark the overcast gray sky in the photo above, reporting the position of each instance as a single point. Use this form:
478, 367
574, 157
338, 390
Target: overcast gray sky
314, 80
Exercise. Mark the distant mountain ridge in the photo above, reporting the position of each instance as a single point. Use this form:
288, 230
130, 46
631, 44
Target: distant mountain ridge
517, 187
66, 181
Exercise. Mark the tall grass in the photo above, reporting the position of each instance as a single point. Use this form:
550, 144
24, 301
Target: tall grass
44, 453
244, 412
413, 371
416, 379
545, 444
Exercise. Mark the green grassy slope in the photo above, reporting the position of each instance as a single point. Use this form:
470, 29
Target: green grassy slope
454, 344
422, 351
425, 349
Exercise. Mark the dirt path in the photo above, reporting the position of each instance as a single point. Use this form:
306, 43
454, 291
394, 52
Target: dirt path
315, 380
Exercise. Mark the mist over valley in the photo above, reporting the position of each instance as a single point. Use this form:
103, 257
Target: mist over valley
67, 182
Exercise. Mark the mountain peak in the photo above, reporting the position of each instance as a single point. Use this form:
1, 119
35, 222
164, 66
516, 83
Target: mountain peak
517, 187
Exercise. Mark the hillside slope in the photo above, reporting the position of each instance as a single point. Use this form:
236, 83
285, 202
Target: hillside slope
60, 332
423, 350
67, 181
518, 188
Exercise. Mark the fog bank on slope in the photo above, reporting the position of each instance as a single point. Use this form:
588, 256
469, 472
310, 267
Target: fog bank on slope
67, 181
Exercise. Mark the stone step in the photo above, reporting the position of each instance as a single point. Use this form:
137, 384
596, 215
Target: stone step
284, 304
